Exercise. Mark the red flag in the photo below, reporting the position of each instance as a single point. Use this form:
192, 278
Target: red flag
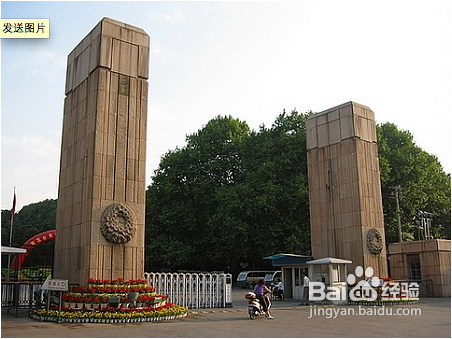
13, 210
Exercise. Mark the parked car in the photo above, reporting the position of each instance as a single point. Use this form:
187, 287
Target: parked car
249, 279
272, 278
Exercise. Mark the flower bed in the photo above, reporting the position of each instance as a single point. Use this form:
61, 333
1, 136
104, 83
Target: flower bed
136, 302
96, 294
168, 311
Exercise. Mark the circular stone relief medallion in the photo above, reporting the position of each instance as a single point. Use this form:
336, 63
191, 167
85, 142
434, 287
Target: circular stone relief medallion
117, 224
374, 241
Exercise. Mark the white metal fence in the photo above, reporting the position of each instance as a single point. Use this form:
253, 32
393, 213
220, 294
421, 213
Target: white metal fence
194, 290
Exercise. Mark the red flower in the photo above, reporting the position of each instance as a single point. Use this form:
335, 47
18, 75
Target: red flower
145, 298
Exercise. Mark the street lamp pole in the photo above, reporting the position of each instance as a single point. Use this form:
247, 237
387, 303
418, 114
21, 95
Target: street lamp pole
398, 212
13, 211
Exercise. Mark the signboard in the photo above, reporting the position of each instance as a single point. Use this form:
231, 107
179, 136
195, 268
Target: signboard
55, 284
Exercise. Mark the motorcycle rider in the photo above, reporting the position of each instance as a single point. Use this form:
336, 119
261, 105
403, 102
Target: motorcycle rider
278, 290
260, 290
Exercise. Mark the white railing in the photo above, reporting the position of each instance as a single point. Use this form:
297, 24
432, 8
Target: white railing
194, 290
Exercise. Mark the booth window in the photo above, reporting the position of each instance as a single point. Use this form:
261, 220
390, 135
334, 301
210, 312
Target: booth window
336, 273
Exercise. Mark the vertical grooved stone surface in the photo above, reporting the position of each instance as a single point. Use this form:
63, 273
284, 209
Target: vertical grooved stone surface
344, 186
103, 153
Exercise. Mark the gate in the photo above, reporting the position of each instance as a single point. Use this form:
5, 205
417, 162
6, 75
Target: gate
19, 296
194, 290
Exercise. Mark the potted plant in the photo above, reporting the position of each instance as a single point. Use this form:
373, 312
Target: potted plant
146, 299
125, 301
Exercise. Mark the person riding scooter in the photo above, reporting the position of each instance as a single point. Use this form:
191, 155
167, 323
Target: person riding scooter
260, 289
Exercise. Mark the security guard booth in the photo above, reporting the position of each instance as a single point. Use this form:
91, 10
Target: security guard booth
292, 268
332, 272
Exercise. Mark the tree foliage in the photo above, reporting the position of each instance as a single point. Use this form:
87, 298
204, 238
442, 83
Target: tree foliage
234, 196
424, 186
230, 196
29, 221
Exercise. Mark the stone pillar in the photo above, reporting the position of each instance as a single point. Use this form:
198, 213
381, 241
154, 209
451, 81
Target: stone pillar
101, 196
345, 201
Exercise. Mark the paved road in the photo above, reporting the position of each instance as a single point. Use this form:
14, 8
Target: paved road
291, 321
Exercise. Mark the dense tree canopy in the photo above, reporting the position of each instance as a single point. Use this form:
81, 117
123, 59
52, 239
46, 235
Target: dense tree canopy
423, 185
31, 220
232, 196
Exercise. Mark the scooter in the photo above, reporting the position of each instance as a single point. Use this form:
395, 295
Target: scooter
255, 308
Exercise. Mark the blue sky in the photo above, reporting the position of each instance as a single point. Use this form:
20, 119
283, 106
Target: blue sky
250, 60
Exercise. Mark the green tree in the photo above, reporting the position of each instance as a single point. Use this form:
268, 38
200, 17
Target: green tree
275, 192
230, 196
423, 184
182, 199
29, 221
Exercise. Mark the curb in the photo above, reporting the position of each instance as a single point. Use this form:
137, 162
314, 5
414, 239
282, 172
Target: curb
236, 310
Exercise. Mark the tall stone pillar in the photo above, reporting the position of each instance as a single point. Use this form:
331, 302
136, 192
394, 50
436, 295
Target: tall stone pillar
346, 208
101, 197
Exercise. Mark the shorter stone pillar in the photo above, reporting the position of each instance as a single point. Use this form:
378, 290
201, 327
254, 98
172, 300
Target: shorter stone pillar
345, 201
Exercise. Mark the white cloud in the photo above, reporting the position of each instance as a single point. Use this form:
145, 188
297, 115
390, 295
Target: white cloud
49, 59
247, 59
168, 13
36, 59
30, 163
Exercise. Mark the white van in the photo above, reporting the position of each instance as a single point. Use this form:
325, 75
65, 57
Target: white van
272, 278
249, 279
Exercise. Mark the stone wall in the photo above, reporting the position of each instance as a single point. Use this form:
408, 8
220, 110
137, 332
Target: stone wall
434, 256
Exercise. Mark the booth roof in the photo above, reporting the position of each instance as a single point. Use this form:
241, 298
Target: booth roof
329, 260
283, 259
6, 250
